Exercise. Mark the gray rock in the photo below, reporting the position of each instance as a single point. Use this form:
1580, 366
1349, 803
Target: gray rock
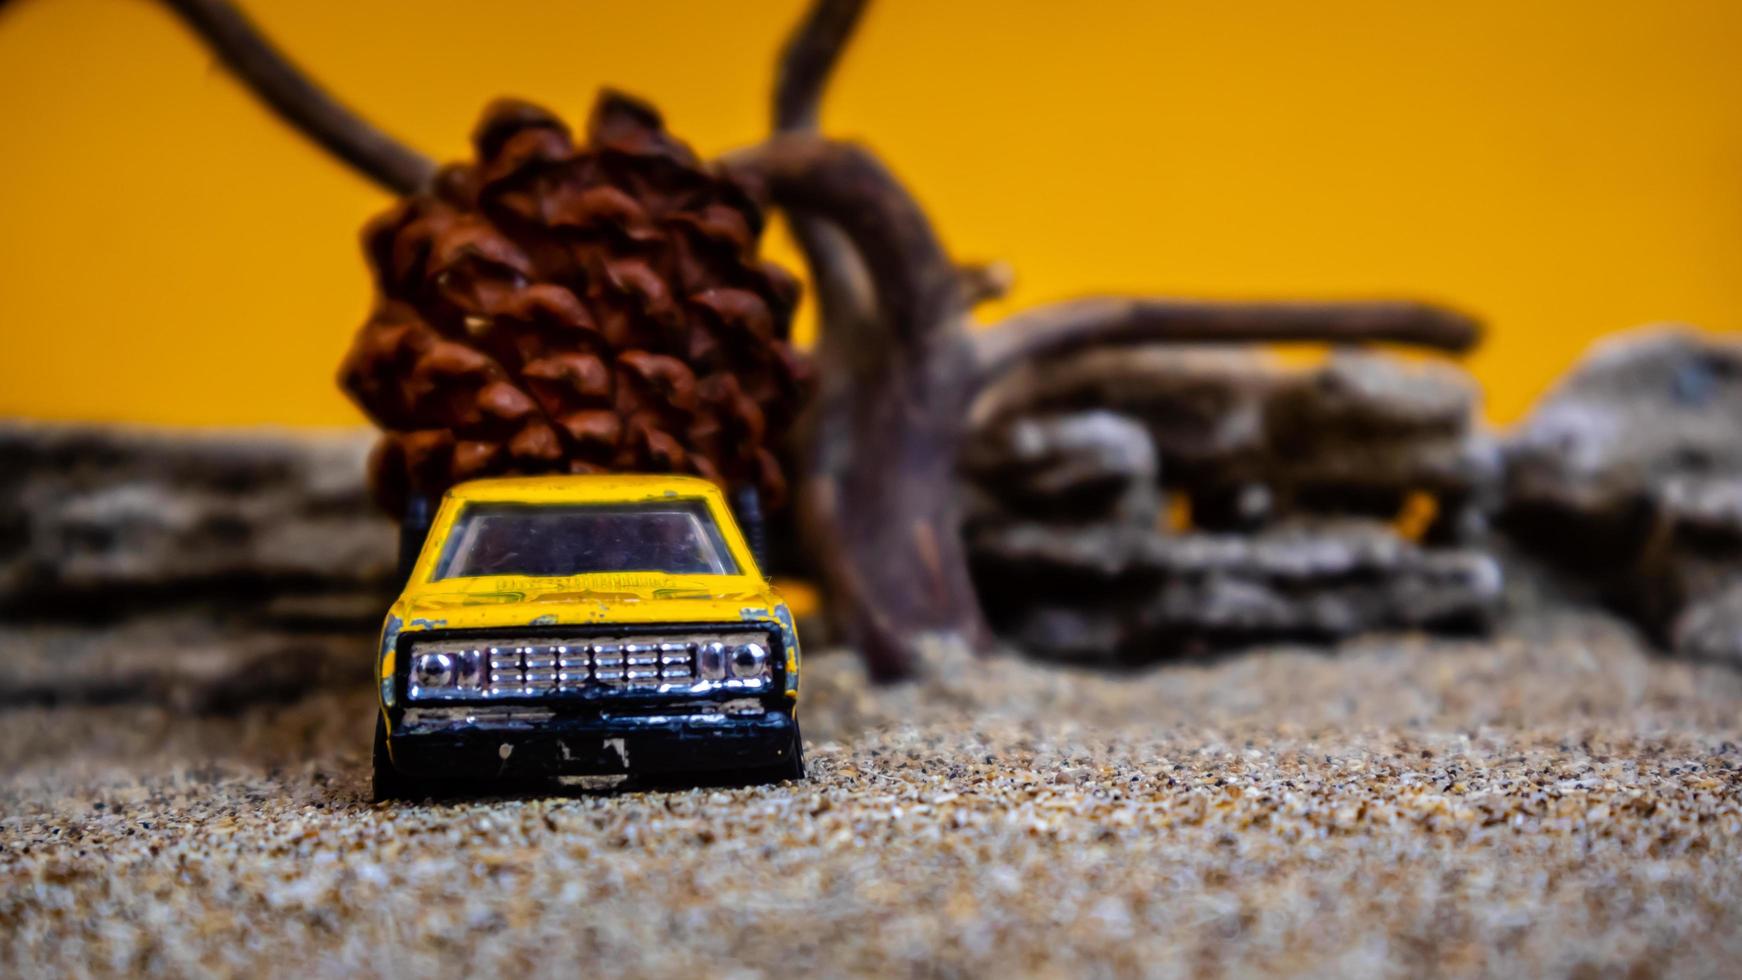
202, 569
1293, 476
1093, 465
1630, 474
1641, 415
102, 511
1198, 403
1368, 425
1359, 394
1250, 439
189, 658
1123, 592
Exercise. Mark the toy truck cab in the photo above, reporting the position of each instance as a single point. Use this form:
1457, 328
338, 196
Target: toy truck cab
586, 625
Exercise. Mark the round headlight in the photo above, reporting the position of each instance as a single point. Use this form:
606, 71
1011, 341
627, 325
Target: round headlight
711, 661
432, 670
749, 660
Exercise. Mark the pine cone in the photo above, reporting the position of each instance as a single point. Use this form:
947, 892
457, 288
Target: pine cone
554, 309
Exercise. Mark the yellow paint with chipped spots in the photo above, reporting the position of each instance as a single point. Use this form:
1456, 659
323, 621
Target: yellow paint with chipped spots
640, 597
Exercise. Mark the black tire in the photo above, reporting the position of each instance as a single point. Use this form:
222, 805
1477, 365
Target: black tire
388, 783
790, 769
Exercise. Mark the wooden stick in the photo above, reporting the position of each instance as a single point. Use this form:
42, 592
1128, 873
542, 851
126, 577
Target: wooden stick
918, 292
843, 289
808, 60
1061, 328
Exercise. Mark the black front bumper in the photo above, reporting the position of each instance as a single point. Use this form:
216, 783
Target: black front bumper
575, 745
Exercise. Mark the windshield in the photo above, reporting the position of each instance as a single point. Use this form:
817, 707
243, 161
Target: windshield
675, 536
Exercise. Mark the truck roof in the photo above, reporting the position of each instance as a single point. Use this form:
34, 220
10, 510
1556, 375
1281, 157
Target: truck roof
586, 488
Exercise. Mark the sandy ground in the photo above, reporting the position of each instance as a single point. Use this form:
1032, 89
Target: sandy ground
1556, 802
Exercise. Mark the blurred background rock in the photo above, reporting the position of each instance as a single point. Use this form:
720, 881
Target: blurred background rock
201, 570
1352, 496
1122, 508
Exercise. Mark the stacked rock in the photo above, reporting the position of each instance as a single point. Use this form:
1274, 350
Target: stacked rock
204, 570
1127, 504
1629, 475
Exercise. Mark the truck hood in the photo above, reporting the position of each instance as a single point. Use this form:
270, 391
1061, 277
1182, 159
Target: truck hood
622, 597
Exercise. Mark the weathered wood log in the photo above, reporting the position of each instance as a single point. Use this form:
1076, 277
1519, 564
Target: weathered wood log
1062, 328
884, 432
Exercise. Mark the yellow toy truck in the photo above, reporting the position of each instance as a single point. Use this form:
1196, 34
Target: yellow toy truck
585, 625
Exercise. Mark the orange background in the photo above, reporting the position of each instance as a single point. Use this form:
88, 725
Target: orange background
171, 253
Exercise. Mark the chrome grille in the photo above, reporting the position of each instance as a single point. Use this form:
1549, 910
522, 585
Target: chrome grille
543, 668
533, 667
506, 677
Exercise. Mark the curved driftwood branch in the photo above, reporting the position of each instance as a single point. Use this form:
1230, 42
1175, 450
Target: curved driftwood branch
917, 289
808, 60
986, 281
807, 63
881, 442
1062, 328
844, 292
898, 366
278, 82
